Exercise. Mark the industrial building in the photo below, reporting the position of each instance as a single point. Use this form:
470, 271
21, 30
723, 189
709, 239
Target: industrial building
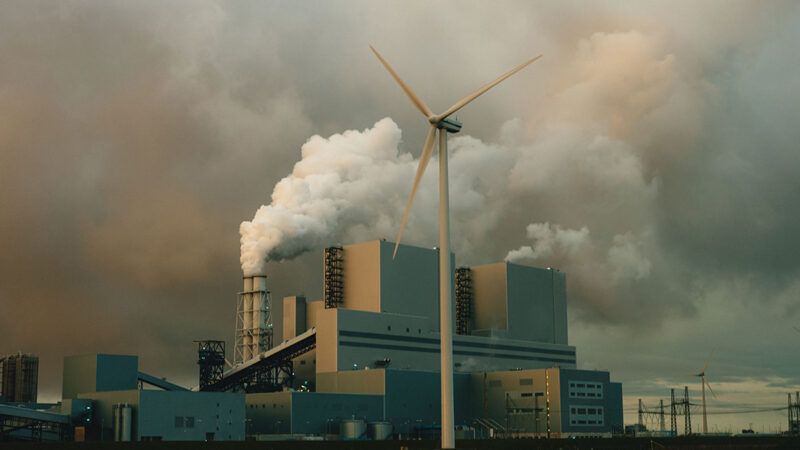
19, 378
363, 361
124, 410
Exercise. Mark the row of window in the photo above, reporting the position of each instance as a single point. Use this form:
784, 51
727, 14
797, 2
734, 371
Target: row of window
586, 410
586, 415
585, 389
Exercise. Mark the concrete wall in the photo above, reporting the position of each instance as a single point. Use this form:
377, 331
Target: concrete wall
354, 340
308, 412
192, 416
531, 303
318, 413
410, 282
312, 312
527, 303
353, 382
614, 414
327, 340
80, 375
407, 284
99, 372
490, 310
294, 316
560, 307
155, 413
412, 397
269, 413
362, 278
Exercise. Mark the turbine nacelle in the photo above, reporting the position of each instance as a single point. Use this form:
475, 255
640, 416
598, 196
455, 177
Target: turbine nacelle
442, 122
449, 125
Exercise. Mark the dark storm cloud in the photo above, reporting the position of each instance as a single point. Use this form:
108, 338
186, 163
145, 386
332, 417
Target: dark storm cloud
135, 137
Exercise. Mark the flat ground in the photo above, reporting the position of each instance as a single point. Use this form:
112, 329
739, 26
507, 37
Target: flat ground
707, 443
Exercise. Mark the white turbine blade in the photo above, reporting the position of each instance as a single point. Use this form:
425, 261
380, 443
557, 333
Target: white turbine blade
710, 390
410, 93
463, 102
425, 157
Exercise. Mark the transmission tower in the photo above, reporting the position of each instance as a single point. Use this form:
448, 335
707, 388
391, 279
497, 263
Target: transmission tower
673, 414
687, 412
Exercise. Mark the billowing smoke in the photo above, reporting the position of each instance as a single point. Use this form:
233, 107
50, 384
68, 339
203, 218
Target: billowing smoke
599, 180
548, 240
343, 184
581, 166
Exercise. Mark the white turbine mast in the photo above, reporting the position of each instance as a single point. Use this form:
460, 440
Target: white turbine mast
705, 385
445, 125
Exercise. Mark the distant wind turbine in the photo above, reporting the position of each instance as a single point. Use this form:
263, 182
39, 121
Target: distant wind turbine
445, 125
705, 384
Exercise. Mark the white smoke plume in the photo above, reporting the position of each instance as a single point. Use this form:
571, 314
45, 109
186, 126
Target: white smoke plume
341, 182
352, 186
601, 151
548, 240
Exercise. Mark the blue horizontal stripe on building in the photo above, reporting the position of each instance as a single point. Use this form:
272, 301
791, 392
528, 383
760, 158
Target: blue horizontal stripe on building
456, 343
455, 352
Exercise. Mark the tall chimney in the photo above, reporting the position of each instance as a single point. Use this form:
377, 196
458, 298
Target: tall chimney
247, 319
261, 331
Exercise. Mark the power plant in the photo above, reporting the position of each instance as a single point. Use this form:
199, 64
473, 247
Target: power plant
366, 355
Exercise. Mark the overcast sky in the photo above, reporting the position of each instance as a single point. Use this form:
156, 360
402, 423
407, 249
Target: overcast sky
651, 154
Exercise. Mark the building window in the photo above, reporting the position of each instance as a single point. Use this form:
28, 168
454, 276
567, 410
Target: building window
526, 381
586, 389
184, 422
495, 383
586, 415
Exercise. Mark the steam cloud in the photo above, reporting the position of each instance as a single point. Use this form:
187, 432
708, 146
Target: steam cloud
352, 186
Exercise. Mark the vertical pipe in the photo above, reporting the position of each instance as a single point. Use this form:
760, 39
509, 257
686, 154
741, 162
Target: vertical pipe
247, 319
445, 312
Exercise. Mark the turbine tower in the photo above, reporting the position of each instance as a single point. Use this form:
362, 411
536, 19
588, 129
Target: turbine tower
702, 376
445, 125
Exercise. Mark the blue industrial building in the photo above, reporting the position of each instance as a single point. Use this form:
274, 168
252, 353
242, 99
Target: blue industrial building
366, 355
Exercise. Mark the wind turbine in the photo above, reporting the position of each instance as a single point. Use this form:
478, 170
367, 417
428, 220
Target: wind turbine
444, 125
705, 384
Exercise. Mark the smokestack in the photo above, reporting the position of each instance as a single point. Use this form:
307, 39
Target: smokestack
261, 323
246, 312
253, 320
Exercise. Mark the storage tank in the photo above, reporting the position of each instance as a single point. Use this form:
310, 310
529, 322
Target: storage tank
352, 429
379, 431
122, 417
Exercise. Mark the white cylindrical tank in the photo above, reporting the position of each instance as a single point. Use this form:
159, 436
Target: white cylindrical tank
122, 415
379, 431
352, 429
247, 319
